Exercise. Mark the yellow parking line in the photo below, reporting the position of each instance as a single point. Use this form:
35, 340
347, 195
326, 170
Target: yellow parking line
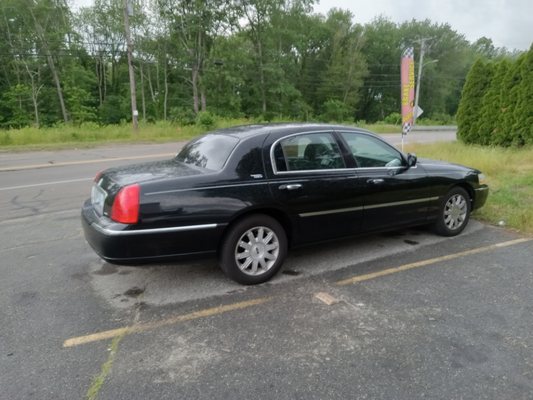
326, 298
423, 263
94, 337
81, 162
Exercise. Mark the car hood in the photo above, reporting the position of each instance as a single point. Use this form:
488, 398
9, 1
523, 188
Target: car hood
145, 172
434, 165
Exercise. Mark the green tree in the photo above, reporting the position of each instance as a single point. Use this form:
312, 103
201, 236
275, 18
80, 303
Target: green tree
491, 105
17, 100
523, 112
468, 114
442, 79
345, 65
381, 91
506, 121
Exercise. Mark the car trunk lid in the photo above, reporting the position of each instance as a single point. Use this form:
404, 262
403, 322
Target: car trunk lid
110, 181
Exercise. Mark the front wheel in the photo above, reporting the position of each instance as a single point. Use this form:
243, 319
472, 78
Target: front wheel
454, 213
253, 250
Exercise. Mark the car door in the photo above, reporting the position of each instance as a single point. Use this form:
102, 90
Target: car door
393, 193
310, 180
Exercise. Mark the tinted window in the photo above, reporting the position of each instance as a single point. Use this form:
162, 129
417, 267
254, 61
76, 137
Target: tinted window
210, 151
308, 152
370, 152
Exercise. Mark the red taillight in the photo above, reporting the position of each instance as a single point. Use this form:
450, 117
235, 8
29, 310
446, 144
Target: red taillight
126, 205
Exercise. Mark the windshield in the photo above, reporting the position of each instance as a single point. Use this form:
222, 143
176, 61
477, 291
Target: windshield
210, 151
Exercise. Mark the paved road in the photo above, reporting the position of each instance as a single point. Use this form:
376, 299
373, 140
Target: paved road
457, 326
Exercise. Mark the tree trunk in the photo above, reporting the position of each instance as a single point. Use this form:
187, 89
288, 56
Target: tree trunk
99, 78
195, 100
52, 66
262, 76
58, 87
34, 95
203, 100
152, 93
143, 100
165, 104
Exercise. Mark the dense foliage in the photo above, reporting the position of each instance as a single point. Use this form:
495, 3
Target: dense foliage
201, 58
496, 105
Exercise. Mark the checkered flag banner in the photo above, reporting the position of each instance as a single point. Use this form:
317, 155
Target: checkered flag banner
409, 52
406, 128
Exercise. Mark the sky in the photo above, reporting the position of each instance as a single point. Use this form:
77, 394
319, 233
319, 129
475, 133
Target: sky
508, 23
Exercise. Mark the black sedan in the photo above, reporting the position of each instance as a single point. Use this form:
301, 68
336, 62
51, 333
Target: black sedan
248, 193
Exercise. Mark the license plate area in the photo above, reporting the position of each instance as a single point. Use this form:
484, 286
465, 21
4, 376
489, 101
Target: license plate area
98, 196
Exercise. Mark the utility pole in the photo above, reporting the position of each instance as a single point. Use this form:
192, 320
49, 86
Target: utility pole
420, 61
128, 10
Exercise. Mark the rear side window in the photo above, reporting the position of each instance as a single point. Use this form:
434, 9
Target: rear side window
313, 151
209, 151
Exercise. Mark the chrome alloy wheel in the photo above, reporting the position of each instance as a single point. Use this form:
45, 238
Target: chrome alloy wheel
257, 250
455, 212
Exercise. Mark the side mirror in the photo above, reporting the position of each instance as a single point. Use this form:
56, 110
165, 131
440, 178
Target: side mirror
411, 160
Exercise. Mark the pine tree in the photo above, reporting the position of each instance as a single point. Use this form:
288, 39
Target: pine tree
509, 101
469, 111
523, 113
491, 105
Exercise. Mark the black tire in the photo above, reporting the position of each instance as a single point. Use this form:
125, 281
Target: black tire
454, 213
268, 248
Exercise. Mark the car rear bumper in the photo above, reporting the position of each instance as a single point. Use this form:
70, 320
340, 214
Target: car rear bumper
127, 244
480, 197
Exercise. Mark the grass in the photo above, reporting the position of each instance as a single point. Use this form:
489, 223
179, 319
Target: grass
91, 134
98, 381
509, 175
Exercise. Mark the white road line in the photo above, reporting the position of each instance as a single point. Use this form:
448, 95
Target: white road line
32, 218
82, 162
45, 184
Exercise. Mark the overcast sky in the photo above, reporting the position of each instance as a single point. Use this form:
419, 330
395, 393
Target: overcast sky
508, 23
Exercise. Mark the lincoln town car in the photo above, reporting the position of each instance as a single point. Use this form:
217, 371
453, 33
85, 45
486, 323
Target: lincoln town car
248, 194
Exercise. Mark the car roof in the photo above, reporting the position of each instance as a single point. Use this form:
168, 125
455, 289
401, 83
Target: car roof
252, 130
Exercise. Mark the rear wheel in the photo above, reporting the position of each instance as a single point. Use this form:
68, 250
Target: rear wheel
253, 250
454, 213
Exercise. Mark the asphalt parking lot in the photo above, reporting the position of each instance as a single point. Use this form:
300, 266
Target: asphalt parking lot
401, 315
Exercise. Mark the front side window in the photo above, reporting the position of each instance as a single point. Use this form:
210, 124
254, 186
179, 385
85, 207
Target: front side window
312, 151
370, 152
209, 152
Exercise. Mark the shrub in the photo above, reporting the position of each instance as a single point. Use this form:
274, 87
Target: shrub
393, 118
337, 111
443, 118
183, 116
205, 119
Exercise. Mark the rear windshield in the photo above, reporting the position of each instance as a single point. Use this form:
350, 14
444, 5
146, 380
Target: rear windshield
209, 151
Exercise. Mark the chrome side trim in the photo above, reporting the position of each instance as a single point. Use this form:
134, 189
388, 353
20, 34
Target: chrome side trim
331, 170
206, 188
392, 204
481, 189
337, 170
111, 232
399, 203
338, 210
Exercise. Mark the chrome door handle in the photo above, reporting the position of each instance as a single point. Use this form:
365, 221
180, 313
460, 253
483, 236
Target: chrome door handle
376, 181
292, 186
